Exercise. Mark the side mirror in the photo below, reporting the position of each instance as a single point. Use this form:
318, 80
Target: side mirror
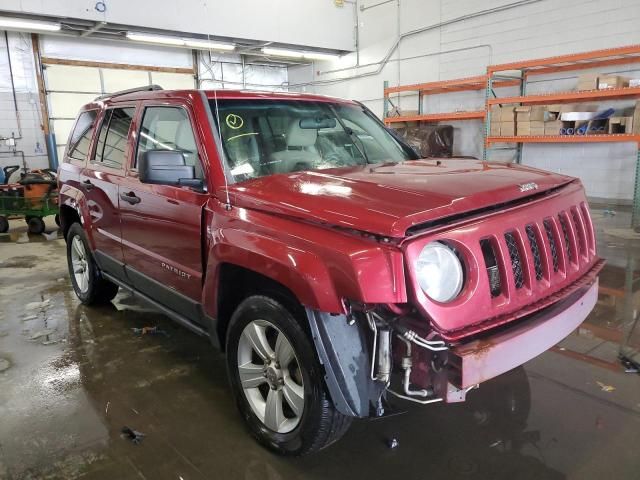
164, 167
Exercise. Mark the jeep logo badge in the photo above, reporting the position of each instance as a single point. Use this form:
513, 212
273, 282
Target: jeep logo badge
525, 187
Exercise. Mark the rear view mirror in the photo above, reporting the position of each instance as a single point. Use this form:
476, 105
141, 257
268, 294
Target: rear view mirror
164, 167
317, 122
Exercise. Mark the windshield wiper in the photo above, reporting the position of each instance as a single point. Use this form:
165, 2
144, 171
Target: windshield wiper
349, 131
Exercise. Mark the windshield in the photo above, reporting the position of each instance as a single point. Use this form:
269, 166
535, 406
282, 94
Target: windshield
264, 137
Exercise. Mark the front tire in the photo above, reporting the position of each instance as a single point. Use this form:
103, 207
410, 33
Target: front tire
277, 381
88, 283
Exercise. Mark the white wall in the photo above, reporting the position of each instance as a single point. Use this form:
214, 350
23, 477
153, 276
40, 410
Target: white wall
539, 29
313, 23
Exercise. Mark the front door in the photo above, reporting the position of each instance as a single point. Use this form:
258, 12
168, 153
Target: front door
162, 224
100, 179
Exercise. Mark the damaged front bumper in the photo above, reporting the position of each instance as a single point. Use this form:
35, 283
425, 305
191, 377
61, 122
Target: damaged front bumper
485, 358
357, 362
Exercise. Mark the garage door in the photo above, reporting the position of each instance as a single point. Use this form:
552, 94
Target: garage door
68, 87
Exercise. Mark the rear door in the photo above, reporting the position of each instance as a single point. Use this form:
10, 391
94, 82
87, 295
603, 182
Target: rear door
100, 179
162, 224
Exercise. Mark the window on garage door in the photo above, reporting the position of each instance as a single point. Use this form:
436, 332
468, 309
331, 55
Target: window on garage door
169, 128
114, 133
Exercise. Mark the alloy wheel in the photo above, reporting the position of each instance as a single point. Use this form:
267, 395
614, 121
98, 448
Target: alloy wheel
270, 376
80, 264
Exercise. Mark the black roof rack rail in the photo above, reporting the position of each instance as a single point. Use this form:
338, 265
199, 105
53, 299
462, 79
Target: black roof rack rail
146, 88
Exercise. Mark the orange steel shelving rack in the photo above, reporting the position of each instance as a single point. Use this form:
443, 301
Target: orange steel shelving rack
435, 88
516, 74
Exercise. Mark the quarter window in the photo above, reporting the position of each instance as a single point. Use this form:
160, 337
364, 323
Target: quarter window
80, 139
169, 128
112, 142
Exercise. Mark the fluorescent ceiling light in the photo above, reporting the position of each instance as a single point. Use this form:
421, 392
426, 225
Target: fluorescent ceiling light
149, 38
28, 25
320, 56
281, 52
179, 42
207, 45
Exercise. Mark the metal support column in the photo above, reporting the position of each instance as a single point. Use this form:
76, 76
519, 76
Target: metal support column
630, 334
487, 117
523, 92
635, 216
385, 108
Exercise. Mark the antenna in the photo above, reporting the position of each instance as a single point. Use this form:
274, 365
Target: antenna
225, 164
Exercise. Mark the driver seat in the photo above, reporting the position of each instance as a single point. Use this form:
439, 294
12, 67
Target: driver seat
299, 154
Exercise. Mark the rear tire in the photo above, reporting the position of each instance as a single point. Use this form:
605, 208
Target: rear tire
305, 423
4, 224
88, 283
36, 225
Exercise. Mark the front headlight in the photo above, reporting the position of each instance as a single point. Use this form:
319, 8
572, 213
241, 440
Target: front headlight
439, 272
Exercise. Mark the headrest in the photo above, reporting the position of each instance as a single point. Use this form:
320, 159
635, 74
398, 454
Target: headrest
300, 137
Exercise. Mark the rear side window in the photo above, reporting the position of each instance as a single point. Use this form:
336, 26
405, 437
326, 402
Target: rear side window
169, 128
112, 142
80, 139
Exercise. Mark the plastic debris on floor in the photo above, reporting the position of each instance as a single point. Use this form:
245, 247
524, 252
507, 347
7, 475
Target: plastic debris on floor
133, 435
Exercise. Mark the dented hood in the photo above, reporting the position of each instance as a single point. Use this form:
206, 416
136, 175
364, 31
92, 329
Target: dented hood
387, 199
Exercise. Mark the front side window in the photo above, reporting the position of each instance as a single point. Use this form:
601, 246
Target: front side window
114, 133
80, 139
169, 128
266, 137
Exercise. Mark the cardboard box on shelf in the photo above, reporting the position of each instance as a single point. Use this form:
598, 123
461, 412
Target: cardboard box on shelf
553, 127
507, 129
612, 81
531, 113
494, 129
588, 81
504, 113
620, 125
636, 119
530, 132
535, 127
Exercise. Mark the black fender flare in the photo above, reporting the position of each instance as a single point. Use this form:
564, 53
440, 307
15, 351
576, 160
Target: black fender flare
344, 353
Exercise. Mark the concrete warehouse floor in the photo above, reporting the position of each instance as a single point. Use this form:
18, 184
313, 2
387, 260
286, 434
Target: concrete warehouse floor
71, 377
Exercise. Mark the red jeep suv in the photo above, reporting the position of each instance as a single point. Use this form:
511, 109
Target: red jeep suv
331, 265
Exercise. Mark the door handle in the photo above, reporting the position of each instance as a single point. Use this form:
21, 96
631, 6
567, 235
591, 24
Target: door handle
87, 184
130, 197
